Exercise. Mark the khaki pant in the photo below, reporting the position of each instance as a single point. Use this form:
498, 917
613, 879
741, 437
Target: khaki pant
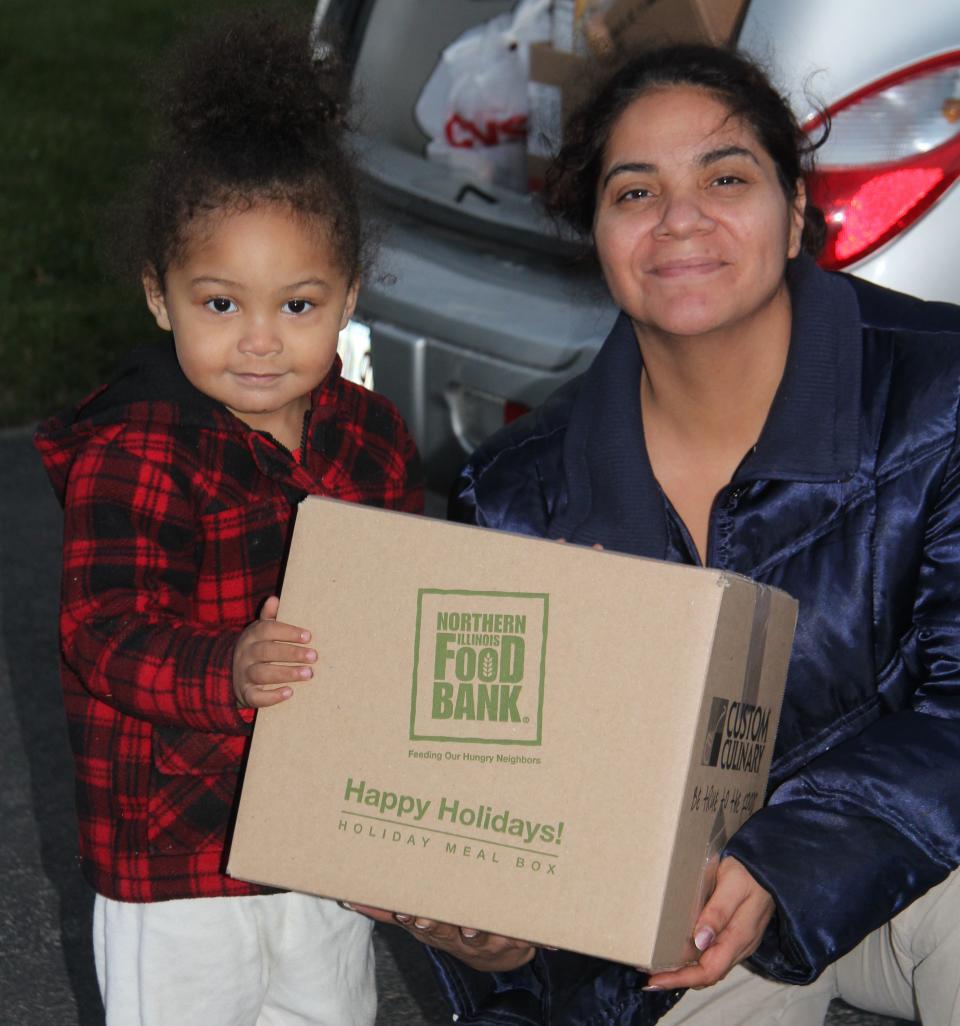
909, 969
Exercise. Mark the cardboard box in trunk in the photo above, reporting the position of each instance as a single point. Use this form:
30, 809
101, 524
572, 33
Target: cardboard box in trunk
534, 739
559, 81
633, 24
551, 94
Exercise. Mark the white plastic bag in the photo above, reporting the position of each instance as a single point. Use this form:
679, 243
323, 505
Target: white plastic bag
474, 105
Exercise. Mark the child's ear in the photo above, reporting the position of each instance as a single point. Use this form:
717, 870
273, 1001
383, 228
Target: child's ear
350, 304
153, 290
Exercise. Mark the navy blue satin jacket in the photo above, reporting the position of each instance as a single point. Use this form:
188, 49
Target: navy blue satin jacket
850, 501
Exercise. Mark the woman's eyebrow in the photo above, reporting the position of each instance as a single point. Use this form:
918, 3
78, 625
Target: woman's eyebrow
711, 156
619, 169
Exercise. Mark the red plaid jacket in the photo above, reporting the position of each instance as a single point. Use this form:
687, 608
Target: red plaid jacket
177, 519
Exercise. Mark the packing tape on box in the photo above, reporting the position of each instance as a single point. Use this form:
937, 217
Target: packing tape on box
758, 643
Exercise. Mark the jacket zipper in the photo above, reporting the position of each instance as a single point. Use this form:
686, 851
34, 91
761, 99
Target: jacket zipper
303, 436
304, 433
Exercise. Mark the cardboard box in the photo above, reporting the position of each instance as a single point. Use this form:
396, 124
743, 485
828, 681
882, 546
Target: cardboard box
559, 81
632, 24
540, 740
571, 22
552, 92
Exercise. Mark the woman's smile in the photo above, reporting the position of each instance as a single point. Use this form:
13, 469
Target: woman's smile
690, 267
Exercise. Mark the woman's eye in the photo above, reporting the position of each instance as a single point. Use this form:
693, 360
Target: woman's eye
221, 305
634, 194
297, 306
728, 180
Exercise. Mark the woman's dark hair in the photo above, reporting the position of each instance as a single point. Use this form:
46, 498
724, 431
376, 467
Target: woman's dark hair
570, 189
249, 116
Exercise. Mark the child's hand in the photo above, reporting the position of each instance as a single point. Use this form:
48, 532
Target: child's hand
260, 649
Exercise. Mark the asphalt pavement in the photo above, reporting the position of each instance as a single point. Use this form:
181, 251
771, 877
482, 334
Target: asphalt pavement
46, 962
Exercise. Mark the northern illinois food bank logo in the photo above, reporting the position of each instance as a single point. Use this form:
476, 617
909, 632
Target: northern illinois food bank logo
478, 670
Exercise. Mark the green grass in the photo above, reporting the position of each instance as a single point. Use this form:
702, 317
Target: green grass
73, 129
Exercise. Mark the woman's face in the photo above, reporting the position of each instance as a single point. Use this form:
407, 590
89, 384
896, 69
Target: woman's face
692, 227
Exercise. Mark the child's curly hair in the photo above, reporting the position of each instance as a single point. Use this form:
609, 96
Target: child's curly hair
250, 115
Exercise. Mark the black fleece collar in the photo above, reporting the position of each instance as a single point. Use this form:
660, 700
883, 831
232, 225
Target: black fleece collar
811, 433
150, 373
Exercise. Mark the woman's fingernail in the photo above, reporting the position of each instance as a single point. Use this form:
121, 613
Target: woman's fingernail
417, 925
305, 673
347, 906
310, 655
703, 938
468, 933
651, 987
304, 635
401, 918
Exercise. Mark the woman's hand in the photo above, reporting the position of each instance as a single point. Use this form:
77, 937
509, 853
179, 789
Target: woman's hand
728, 930
486, 952
258, 658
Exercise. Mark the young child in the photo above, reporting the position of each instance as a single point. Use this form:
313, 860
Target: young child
179, 482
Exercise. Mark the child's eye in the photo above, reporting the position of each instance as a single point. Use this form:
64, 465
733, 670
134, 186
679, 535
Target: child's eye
221, 305
297, 306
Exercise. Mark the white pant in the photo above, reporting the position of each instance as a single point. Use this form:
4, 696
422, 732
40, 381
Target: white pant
263, 960
909, 968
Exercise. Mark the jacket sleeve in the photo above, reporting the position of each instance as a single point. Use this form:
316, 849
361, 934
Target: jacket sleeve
869, 826
129, 574
462, 501
559, 988
518, 503
405, 491
367, 453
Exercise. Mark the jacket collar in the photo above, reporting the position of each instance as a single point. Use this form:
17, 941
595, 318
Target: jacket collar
812, 430
811, 433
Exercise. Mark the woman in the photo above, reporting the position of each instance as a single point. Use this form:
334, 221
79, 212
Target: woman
751, 412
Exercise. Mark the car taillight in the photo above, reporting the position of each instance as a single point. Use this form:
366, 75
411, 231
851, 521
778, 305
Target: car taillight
512, 410
893, 150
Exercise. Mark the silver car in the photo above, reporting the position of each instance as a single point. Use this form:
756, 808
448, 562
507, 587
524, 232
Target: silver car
477, 311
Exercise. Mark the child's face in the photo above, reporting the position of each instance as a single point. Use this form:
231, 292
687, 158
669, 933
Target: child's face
255, 308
